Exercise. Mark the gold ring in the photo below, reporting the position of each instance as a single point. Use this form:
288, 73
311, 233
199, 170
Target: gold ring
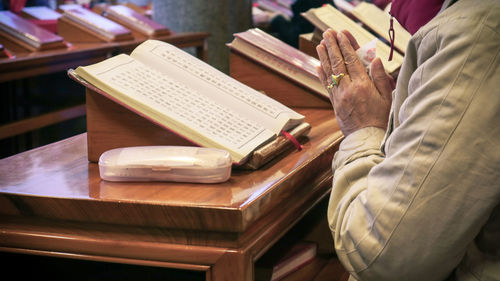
335, 80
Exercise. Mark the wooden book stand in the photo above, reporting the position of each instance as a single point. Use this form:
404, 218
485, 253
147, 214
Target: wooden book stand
110, 125
307, 44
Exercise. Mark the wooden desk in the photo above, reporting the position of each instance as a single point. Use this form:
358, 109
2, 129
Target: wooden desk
29, 64
53, 203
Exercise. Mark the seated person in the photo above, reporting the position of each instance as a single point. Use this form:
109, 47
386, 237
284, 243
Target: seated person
416, 192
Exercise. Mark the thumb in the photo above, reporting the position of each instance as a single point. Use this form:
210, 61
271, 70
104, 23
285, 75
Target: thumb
383, 81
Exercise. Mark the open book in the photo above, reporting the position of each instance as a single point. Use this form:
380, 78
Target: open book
191, 98
281, 57
378, 21
328, 17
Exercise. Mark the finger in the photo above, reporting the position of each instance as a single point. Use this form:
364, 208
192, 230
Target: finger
354, 66
322, 76
381, 79
334, 54
351, 38
324, 80
324, 61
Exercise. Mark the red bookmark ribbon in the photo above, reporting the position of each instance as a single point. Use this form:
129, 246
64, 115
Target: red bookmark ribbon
292, 139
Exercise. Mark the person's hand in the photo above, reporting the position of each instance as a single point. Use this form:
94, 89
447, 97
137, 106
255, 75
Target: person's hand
358, 101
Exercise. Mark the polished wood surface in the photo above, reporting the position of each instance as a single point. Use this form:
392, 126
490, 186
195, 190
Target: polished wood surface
230, 206
53, 202
28, 64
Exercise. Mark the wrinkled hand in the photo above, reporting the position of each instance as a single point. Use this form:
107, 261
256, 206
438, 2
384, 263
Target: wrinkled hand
358, 101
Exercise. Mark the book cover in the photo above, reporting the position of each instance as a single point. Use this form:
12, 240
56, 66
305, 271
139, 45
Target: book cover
134, 20
143, 10
308, 271
332, 270
187, 96
28, 34
328, 17
64, 7
40, 13
280, 49
283, 259
94, 22
281, 57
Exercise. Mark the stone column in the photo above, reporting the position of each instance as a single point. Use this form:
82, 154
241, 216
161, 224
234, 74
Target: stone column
221, 18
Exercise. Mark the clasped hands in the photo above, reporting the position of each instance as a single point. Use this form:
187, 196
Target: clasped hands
358, 101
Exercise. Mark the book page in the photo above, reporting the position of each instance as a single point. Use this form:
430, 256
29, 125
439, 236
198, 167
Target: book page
176, 105
311, 16
337, 21
379, 21
217, 86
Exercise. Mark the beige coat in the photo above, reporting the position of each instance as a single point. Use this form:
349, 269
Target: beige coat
427, 205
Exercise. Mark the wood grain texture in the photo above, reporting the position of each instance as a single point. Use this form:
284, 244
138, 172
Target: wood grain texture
308, 45
28, 64
53, 203
110, 125
72, 189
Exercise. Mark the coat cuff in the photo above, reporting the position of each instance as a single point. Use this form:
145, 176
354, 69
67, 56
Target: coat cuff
361, 143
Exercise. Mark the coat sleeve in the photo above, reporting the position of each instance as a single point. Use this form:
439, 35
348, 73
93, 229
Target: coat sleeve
412, 213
